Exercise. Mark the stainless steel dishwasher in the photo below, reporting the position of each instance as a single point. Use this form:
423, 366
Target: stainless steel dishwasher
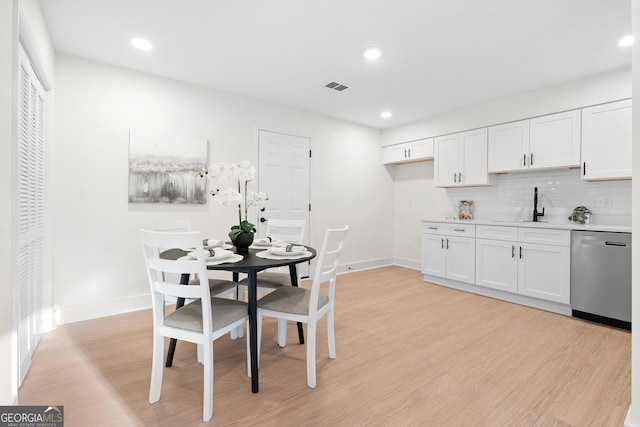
601, 277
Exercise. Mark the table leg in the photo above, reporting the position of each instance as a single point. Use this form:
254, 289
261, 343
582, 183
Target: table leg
184, 280
253, 330
294, 281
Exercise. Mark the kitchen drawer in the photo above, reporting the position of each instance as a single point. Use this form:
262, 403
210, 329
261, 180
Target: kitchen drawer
434, 227
495, 232
466, 230
544, 236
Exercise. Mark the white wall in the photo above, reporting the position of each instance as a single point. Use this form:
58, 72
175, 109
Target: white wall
98, 268
596, 89
415, 179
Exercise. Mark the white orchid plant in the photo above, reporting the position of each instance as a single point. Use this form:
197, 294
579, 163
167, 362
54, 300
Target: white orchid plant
229, 186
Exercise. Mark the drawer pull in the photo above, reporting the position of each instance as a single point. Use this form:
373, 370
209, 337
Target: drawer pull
513, 251
459, 229
432, 228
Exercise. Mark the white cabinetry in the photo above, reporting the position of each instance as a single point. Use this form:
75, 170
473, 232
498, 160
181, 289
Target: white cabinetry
546, 142
606, 141
448, 251
530, 261
461, 159
413, 151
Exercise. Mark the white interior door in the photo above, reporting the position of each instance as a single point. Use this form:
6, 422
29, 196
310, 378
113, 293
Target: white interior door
29, 235
283, 173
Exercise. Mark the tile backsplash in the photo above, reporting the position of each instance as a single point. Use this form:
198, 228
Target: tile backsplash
511, 199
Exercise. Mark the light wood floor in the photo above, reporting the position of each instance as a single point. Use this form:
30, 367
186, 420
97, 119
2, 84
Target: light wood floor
408, 353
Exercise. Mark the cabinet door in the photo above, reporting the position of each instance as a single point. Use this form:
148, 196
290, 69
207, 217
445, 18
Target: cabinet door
543, 272
421, 150
606, 141
446, 167
497, 264
473, 158
461, 258
433, 255
508, 147
394, 154
555, 140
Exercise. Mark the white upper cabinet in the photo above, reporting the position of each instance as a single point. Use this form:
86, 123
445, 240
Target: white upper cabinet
413, 151
606, 141
508, 147
546, 142
461, 159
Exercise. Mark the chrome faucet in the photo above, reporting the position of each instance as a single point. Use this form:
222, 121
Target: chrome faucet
536, 214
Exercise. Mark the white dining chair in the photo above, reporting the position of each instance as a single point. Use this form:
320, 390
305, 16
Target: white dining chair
286, 230
201, 321
218, 287
308, 305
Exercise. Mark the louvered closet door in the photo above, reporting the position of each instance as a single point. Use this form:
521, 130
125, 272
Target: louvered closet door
30, 213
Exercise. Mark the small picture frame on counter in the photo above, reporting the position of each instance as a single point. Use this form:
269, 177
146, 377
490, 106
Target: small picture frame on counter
465, 209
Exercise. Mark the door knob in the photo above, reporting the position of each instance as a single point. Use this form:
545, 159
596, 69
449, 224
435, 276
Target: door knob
263, 219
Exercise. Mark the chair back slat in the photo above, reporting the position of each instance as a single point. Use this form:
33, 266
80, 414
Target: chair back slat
327, 265
289, 230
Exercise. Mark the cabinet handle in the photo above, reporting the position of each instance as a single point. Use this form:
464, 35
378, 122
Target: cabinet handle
432, 228
405, 153
520, 252
447, 243
513, 251
442, 243
455, 179
524, 160
459, 229
409, 151
531, 161
584, 168
459, 176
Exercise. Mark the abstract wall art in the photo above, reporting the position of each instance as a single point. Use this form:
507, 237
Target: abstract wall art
164, 168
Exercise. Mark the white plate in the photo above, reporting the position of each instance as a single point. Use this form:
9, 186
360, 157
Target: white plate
262, 244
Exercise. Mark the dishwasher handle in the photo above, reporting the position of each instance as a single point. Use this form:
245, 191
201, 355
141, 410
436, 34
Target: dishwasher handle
610, 243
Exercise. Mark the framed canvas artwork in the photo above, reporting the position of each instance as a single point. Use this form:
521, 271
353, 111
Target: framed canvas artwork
164, 168
465, 209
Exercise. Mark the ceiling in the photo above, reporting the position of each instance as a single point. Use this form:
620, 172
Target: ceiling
437, 55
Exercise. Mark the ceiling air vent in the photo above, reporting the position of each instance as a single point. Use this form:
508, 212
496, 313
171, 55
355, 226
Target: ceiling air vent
336, 86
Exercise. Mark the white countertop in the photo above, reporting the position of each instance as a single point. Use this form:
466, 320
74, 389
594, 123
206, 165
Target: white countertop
530, 224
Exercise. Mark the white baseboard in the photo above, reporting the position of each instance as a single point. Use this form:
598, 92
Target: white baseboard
409, 263
95, 310
364, 265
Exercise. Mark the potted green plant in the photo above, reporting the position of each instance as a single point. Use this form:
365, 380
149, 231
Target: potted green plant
580, 215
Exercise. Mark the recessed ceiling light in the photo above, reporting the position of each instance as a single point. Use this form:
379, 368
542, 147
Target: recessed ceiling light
385, 115
141, 44
626, 41
372, 53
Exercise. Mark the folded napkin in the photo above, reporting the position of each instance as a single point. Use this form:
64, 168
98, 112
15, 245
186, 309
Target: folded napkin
211, 254
266, 241
213, 243
289, 249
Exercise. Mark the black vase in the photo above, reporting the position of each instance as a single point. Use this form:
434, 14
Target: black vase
242, 242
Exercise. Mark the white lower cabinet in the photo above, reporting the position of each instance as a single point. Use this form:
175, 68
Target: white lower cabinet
528, 261
543, 272
449, 251
496, 265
